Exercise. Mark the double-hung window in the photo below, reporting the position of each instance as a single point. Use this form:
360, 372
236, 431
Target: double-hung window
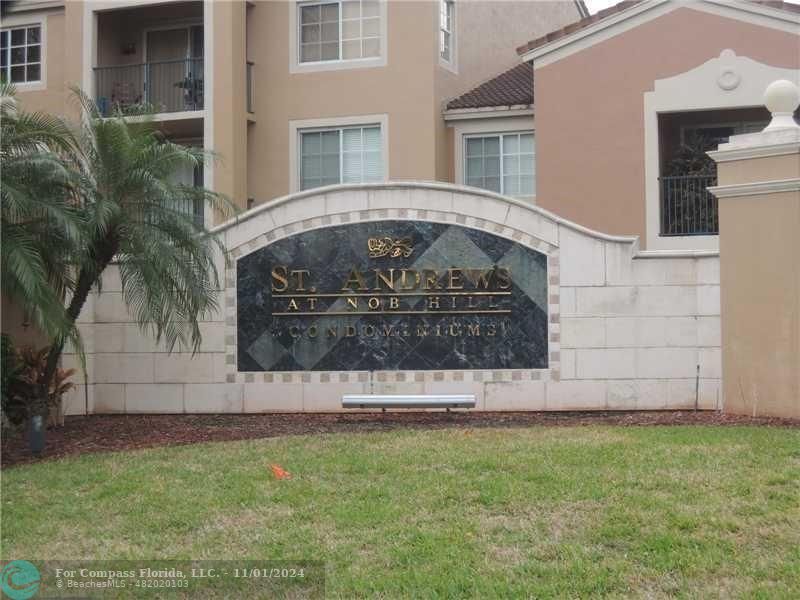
340, 155
21, 54
342, 30
446, 26
503, 163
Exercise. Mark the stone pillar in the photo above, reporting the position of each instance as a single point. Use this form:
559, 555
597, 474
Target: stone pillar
759, 221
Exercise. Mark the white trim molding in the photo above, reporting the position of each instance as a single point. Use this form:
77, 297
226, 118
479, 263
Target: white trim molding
295, 66
614, 24
488, 112
756, 189
754, 152
726, 82
296, 126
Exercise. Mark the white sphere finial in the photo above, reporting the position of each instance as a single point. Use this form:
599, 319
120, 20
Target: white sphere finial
782, 98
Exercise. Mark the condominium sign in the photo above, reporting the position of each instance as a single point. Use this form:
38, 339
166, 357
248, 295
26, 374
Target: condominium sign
392, 295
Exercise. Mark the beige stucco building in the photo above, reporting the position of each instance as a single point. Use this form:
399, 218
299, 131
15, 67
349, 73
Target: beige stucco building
581, 137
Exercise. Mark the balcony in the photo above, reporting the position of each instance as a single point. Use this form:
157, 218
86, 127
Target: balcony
687, 207
168, 86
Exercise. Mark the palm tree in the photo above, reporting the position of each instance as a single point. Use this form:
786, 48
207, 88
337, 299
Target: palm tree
40, 224
122, 172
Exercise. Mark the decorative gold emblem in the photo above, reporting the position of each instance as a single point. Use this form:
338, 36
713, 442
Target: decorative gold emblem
386, 246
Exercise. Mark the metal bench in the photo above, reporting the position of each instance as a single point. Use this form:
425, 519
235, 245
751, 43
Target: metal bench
409, 401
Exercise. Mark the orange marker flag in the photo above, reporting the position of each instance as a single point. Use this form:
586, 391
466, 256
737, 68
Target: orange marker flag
280, 473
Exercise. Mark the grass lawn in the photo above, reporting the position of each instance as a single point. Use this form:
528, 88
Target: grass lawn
538, 512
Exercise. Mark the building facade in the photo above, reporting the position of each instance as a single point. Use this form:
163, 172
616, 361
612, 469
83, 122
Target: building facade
552, 190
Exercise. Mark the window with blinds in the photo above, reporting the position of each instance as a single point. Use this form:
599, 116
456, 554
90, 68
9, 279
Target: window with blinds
340, 155
502, 163
344, 30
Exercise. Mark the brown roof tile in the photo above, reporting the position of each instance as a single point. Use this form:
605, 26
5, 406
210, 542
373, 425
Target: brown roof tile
512, 88
619, 7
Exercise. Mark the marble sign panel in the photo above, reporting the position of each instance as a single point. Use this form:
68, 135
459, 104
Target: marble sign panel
392, 295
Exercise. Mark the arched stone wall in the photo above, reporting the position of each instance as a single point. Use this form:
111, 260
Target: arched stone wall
626, 330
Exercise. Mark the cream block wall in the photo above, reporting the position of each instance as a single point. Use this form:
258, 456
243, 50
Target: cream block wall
627, 329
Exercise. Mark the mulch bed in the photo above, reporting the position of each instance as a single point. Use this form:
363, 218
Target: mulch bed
104, 433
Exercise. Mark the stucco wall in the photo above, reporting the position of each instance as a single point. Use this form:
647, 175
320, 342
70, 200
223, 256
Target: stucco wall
589, 116
488, 33
625, 331
759, 200
52, 94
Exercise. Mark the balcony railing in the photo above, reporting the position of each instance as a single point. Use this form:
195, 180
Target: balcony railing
165, 86
687, 207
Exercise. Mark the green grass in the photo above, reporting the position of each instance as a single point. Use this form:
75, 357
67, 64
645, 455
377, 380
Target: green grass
540, 512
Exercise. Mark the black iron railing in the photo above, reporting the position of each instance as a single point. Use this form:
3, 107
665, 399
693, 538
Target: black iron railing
250, 88
687, 207
165, 86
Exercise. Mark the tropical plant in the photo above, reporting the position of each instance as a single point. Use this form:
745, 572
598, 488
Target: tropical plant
122, 172
40, 222
13, 409
26, 366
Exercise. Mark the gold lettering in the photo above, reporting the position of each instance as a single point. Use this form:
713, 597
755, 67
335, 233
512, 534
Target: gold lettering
491, 329
279, 276
433, 302
388, 281
312, 331
299, 273
403, 274
349, 331
294, 331
431, 280
312, 304
504, 278
353, 302
374, 303
356, 278
292, 305
455, 282
473, 330
388, 330
394, 303
333, 331
368, 331
454, 330
481, 278
471, 302
422, 330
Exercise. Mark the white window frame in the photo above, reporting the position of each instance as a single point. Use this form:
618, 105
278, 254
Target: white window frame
500, 135
18, 22
470, 125
295, 66
297, 127
451, 62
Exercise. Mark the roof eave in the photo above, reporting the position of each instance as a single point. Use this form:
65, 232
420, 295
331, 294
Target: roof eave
488, 112
596, 28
